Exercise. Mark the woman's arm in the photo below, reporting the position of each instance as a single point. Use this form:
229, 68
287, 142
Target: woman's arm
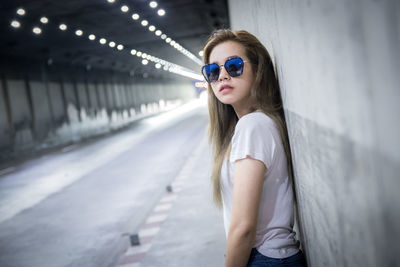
247, 190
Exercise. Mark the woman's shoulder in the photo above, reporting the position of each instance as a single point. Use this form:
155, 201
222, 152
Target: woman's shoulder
255, 119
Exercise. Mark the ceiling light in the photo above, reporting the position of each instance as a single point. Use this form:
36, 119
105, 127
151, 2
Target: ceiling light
148, 57
120, 47
163, 36
21, 11
201, 53
79, 32
153, 4
133, 52
161, 12
172, 42
111, 44
158, 32
138, 53
111, 1
145, 61
152, 28
62, 27
135, 16
124, 8
92, 37
103, 41
176, 45
15, 24
168, 40
37, 30
144, 55
44, 20
158, 65
165, 67
145, 22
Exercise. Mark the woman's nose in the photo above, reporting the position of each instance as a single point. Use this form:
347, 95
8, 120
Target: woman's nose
223, 75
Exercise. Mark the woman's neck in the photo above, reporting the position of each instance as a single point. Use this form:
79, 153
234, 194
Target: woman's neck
240, 112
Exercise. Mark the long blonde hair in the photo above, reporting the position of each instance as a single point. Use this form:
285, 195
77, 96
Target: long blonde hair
265, 91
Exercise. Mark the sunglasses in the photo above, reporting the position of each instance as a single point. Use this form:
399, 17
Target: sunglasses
233, 66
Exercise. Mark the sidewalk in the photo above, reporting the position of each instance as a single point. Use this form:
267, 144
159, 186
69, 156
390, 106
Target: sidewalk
184, 228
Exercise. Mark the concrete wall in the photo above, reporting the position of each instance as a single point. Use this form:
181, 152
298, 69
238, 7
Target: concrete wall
338, 64
36, 114
42, 109
6, 132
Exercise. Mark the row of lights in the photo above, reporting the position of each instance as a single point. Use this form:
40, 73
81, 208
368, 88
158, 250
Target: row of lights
168, 66
163, 36
44, 20
152, 4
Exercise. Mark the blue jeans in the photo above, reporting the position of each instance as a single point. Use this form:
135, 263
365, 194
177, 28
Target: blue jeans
259, 260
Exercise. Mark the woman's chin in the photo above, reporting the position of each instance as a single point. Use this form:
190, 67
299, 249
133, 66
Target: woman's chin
226, 100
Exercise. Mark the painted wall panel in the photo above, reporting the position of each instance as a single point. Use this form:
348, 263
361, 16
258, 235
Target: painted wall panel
19, 103
56, 101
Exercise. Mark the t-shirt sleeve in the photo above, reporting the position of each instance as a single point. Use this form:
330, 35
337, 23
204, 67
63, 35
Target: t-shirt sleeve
253, 137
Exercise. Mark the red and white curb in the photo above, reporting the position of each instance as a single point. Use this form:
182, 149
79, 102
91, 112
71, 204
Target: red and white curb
135, 254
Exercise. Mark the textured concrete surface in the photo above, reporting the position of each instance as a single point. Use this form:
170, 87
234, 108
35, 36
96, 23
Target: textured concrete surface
338, 64
4, 125
57, 102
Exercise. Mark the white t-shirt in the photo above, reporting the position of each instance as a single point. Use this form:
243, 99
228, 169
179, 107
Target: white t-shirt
257, 136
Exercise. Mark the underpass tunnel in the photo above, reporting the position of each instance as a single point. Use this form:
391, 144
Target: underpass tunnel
104, 157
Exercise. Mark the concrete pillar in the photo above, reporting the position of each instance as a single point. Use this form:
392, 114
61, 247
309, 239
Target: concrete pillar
43, 120
6, 125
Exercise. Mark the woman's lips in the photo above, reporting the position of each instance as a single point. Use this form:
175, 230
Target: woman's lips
225, 88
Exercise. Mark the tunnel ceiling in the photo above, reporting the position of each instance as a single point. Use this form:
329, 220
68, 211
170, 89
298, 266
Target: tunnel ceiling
186, 22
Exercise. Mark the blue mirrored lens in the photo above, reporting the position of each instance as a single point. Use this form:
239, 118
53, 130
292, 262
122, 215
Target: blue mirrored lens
234, 66
211, 72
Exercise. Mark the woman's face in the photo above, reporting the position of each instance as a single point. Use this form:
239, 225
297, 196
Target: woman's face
232, 90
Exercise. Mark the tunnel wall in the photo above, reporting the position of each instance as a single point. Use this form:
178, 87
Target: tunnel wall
37, 114
338, 66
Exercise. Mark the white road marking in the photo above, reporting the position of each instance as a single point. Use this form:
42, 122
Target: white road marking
138, 249
156, 218
168, 198
162, 207
136, 264
149, 231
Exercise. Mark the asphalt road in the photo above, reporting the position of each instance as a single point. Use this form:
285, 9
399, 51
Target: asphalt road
72, 207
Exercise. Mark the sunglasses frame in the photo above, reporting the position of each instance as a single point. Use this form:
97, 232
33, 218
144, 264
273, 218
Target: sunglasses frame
219, 69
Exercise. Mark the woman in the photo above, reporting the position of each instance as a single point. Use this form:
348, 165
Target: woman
252, 172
